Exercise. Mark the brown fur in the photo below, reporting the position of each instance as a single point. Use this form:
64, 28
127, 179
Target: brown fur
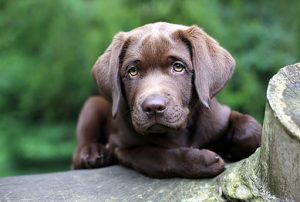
163, 122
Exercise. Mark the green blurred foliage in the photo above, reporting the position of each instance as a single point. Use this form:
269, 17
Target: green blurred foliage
48, 47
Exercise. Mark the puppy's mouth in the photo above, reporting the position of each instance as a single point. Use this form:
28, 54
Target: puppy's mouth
172, 119
158, 128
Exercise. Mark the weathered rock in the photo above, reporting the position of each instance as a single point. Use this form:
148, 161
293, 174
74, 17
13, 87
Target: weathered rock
107, 184
239, 182
280, 152
275, 168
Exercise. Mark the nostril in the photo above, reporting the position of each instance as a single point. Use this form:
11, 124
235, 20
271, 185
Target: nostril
161, 108
148, 109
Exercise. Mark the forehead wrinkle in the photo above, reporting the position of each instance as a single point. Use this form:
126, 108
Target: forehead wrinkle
130, 55
180, 51
154, 47
133, 52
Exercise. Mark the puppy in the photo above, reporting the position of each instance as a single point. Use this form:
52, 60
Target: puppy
158, 114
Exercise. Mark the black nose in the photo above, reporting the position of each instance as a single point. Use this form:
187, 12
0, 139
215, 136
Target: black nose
154, 104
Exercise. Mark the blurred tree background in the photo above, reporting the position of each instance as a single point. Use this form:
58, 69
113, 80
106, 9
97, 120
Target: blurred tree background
47, 48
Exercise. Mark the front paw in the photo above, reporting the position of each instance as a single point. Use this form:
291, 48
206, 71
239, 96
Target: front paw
204, 163
92, 156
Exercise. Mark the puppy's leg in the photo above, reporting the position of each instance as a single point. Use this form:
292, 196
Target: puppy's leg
242, 137
179, 162
92, 133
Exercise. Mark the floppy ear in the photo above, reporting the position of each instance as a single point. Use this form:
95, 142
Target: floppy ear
213, 65
106, 71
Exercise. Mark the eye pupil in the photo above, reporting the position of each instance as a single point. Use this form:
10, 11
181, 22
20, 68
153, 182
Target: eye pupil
178, 67
133, 71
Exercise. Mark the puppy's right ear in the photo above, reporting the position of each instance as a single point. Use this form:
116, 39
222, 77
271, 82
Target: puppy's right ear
106, 71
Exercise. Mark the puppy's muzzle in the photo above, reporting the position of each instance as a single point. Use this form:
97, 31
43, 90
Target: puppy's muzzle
154, 105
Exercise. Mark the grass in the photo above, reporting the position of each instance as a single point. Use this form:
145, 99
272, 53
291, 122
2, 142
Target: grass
28, 149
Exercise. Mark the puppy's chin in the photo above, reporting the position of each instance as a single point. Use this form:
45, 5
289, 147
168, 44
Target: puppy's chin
158, 128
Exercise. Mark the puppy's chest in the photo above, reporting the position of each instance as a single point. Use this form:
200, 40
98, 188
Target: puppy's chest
169, 140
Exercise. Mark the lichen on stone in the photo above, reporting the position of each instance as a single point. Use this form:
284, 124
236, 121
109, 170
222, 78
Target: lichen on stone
242, 182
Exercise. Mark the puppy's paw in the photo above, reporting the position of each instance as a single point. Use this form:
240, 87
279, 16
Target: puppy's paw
205, 163
92, 156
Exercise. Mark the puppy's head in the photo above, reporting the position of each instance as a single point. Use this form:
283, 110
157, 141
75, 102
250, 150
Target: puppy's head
157, 67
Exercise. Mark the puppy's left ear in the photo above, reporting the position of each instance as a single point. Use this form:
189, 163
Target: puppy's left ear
213, 65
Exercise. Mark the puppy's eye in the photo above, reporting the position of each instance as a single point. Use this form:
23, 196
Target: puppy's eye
178, 66
133, 71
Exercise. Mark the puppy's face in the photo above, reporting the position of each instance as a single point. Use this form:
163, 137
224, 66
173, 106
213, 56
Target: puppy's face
156, 74
156, 67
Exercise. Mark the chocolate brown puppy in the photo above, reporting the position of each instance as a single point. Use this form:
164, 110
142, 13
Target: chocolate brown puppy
158, 114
